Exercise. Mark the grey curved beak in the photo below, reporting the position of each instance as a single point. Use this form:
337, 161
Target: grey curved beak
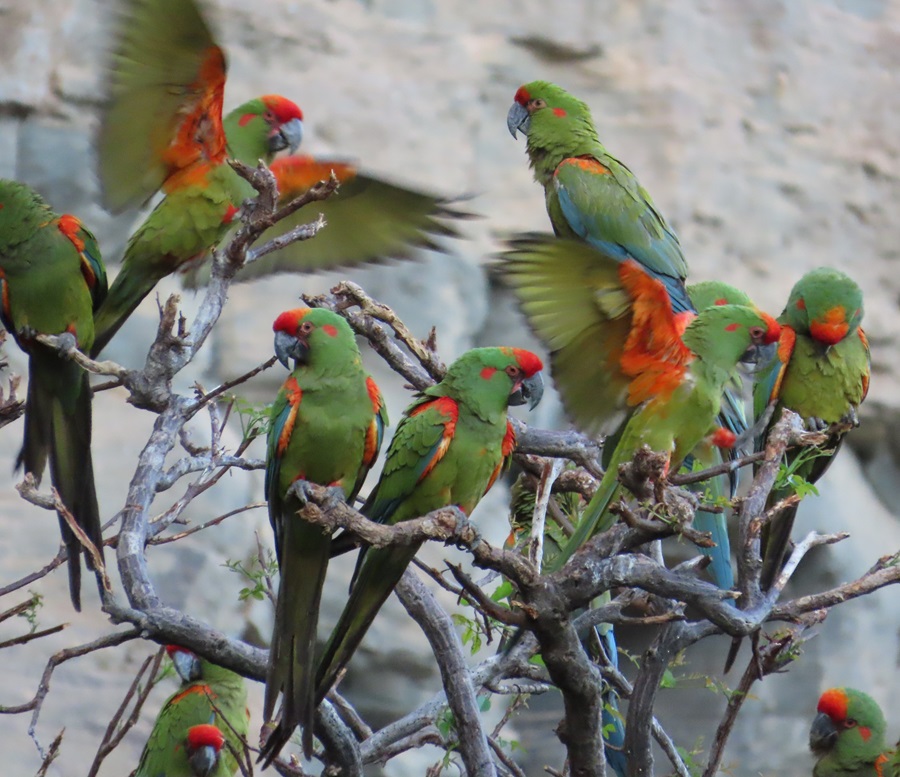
187, 665
530, 391
204, 760
288, 135
288, 347
757, 359
822, 734
519, 119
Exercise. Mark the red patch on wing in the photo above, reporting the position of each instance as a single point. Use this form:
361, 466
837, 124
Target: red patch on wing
330, 330
297, 174
522, 96
289, 321
506, 449
488, 372
284, 109
833, 703
559, 112
832, 327
294, 395
723, 438
448, 408
70, 226
205, 735
865, 377
200, 136
230, 213
201, 688
586, 163
654, 355
373, 433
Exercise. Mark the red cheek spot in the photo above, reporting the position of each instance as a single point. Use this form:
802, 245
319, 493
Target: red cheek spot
801, 304
732, 327
488, 372
559, 112
246, 118
721, 301
865, 733
330, 330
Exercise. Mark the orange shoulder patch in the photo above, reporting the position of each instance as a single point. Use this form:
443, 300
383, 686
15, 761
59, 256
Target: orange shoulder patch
586, 163
297, 174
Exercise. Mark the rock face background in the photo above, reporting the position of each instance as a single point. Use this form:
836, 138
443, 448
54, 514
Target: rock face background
768, 134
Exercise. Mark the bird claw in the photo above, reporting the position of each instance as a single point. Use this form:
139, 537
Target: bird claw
300, 490
66, 344
463, 524
851, 417
814, 424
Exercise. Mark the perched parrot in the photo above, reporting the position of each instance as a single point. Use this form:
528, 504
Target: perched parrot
327, 425
164, 119
449, 448
210, 697
51, 280
822, 373
620, 353
847, 736
591, 195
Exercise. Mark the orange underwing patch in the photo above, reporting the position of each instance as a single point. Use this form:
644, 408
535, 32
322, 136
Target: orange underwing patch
785, 351
69, 225
297, 174
654, 355
294, 395
506, 449
200, 688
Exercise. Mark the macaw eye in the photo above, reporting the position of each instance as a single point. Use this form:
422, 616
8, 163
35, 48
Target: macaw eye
757, 332
269, 116
537, 103
849, 723
305, 328
513, 371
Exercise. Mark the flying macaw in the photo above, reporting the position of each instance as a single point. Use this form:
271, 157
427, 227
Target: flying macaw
162, 129
164, 117
327, 426
822, 373
847, 737
449, 448
210, 695
591, 195
51, 280
620, 353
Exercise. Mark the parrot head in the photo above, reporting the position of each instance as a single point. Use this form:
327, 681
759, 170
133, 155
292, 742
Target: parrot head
724, 335
285, 121
540, 107
203, 745
491, 379
186, 663
309, 335
825, 304
849, 725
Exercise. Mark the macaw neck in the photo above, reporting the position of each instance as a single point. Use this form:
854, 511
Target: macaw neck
548, 148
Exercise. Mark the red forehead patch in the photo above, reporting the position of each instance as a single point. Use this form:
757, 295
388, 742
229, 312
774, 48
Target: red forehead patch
528, 361
289, 320
522, 96
284, 109
833, 703
205, 735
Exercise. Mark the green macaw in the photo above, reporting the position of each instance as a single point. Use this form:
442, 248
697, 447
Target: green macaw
822, 373
591, 195
210, 695
327, 426
847, 737
621, 354
51, 280
164, 119
449, 448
